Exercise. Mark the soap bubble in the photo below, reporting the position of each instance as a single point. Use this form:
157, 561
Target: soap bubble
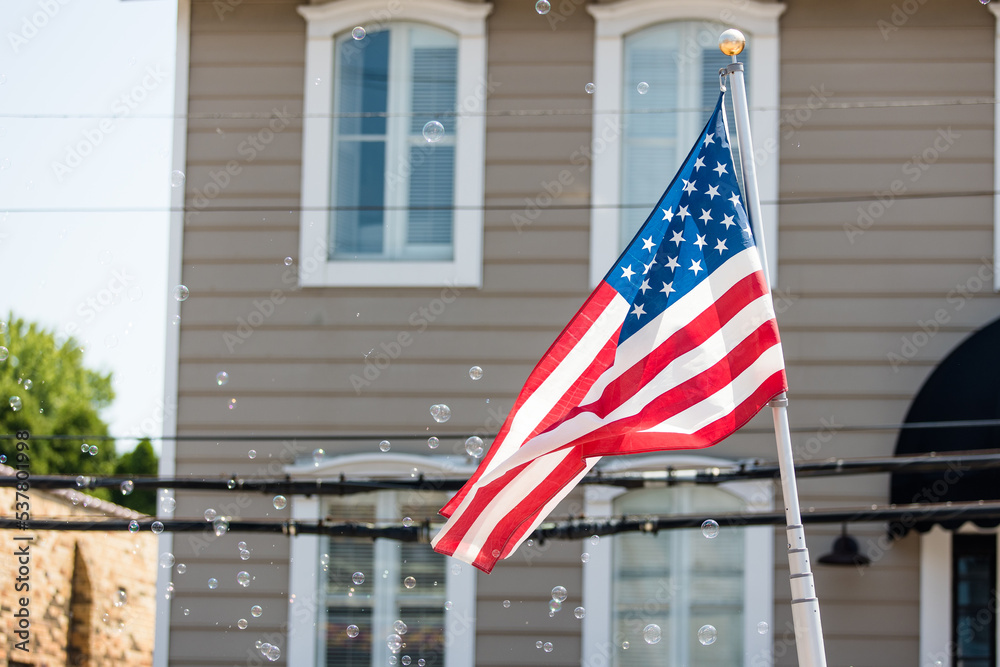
156, 527
210, 514
4, 353
475, 372
15, 403
433, 131
625, 645
440, 413
213, 583
242, 624
707, 634
288, 261
652, 634
762, 628
176, 178
244, 554
92, 450
554, 606
385, 446
133, 526
181, 568
168, 504
127, 487
474, 447
710, 529
409, 582
538, 644
358, 578
359, 33
559, 593
252, 453
448, 605
399, 627
220, 525
166, 560
181, 293
256, 611
279, 502
394, 642
433, 442
584, 557
353, 631
506, 604
318, 455
243, 578
543, 7
221, 378
595, 539
27, 383
579, 612
642, 88
590, 88
547, 647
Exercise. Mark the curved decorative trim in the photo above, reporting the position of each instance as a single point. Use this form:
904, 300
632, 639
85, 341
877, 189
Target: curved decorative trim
759, 18
329, 19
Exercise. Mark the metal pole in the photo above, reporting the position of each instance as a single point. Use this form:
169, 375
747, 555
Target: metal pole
805, 605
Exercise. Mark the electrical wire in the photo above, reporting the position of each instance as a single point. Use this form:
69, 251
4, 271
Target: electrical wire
906, 515
341, 485
352, 437
815, 106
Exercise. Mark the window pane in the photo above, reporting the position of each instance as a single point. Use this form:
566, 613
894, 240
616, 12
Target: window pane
974, 587
360, 195
431, 194
682, 71
363, 83
434, 75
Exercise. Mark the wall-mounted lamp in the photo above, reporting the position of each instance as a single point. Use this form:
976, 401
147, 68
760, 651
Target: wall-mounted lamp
845, 552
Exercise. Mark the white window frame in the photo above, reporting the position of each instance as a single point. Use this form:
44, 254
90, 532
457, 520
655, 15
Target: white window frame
996, 150
324, 23
936, 593
758, 567
305, 645
614, 21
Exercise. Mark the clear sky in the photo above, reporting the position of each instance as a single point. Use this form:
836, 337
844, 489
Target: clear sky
86, 93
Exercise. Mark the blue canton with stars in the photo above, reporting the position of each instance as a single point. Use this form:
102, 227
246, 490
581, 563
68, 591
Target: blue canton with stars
699, 223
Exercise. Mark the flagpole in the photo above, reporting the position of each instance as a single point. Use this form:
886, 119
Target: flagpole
805, 605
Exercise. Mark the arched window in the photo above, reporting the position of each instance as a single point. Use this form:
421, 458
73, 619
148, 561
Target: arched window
381, 204
324, 569
671, 45
679, 580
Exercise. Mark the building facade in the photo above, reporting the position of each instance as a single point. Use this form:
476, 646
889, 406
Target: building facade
366, 215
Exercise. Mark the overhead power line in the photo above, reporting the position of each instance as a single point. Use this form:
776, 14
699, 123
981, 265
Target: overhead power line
668, 476
906, 515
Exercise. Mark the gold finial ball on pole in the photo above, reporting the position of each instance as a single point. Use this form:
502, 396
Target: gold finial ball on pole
732, 42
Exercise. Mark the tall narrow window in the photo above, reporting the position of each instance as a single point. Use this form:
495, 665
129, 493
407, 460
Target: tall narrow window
671, 76
392, 190
679, 580
974, 579
402, 582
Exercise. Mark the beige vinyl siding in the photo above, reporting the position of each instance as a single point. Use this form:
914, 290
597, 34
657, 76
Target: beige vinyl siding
848, 304
855, 296
292, 374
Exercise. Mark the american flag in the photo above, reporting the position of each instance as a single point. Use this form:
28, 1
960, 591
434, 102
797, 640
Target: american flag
677, 348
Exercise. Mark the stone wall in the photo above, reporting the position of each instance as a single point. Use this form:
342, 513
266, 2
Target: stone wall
92, 594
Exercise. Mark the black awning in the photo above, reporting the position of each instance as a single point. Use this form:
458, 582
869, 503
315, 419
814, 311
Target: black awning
965, 386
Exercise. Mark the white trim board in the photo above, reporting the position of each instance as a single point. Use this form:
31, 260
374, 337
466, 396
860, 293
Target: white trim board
171, 370
468, 22
759, 20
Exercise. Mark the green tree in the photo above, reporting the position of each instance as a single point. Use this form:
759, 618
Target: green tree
140, 461
46, 390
